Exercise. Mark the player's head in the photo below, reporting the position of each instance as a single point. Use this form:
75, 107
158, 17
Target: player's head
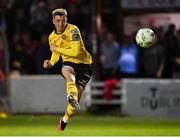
59, 19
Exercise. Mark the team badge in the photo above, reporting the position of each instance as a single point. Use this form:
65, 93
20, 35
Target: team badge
63, 36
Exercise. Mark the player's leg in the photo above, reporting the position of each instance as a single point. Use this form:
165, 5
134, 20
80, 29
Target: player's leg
81, 79
70, 110
63, 121
72, 95
72, 92
80, 91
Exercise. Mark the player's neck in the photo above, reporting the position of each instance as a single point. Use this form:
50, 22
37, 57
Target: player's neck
61, 31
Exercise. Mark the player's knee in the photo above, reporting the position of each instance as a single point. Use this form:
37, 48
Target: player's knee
68, 74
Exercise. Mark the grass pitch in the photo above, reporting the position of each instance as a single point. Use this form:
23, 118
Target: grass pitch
89, 126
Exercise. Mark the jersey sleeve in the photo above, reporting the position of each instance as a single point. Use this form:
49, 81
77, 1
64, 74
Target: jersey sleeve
55, 56
75, 34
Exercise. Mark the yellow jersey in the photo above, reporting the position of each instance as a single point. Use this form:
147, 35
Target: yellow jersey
64, 41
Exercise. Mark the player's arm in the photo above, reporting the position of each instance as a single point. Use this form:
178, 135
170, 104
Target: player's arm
74, 49
53, 60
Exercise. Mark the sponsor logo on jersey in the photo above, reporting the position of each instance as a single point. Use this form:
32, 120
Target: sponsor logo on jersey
74, 31
75, 37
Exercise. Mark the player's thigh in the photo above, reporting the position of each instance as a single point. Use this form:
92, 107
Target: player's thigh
68, 73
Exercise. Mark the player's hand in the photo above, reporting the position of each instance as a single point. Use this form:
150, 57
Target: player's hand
47, 64
53, 48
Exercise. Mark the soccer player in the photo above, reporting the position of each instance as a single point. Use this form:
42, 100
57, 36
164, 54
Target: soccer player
66, 42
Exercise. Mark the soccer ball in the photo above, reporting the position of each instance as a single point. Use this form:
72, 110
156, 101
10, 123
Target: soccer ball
145, 37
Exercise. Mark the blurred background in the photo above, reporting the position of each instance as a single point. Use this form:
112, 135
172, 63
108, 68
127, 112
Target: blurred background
127, 79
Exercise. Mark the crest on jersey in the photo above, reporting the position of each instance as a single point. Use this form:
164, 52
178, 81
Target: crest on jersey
74, 31
63, 36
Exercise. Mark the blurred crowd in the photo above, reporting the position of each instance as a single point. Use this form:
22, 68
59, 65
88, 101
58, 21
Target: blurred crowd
127, 60
28, 24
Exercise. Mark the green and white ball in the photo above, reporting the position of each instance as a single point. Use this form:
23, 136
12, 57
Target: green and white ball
145, 37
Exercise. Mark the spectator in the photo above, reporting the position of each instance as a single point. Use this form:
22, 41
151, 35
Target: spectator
109, 57
39, 17
20, 61
20, 21
42, 54
169, 44
31, 46
177, 56
153, 59
128, 58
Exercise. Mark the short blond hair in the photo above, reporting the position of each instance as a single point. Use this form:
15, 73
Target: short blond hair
60, 11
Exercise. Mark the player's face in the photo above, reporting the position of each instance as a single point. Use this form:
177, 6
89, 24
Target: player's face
59, 22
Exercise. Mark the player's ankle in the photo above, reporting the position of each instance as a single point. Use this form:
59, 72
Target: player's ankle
65, 120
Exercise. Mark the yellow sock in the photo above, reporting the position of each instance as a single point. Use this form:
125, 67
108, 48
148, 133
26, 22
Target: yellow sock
69, 112
72, 89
